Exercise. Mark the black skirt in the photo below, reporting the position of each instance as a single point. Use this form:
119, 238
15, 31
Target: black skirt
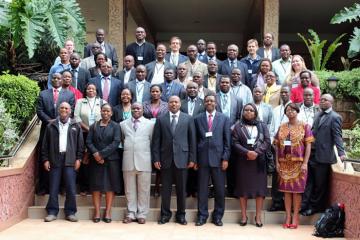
105, 177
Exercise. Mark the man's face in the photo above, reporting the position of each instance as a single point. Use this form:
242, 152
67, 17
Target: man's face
56, 80
169, 75
105, 69
96, 48
66, 79
212, 67
136, 111
182, 71
64, 54
100, 35
192, 90
308, 97
210, 103
258, 94
325, 102
64, 111
69, 45
192, 52
160, 52
211, 50
140, 73
174, 104
285, 52
140, 34
129, 62
232, 52
200, 45
305, 79
268, 39
284, 94
252, 48
235, 76
74, 60
225, 85
198, 79
175, 45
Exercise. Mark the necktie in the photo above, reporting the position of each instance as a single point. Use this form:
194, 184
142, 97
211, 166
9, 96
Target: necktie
75, 77
106, 89
136, 124
56, 95
225, 100
210, 122
173, 124
232, 64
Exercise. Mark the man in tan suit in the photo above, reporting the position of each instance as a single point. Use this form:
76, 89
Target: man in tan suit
193, 64
137, 134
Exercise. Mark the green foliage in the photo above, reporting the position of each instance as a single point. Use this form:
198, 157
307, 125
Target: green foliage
353, 145
8, 130
349, 15
348, 85
316, 46
20, 94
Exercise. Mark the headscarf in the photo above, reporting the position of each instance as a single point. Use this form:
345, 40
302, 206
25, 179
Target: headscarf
252, 122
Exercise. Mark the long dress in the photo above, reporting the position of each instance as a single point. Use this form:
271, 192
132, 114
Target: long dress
251, 177
291, 178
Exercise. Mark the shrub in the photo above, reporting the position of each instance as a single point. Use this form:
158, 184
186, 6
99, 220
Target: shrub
20, 94
353, 146
8, 130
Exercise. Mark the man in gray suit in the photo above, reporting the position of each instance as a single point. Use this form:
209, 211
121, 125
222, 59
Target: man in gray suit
173, 151
128, 73
328, 133
268, 50
137, 134
140, 88
264, 110
80, 75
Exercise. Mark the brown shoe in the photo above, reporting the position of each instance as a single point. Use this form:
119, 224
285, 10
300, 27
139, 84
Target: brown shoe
141, 220
128, 220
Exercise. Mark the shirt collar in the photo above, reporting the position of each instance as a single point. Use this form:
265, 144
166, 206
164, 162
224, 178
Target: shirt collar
192, 100
328, 110
177, 114
138, 120
141, 43
58, 89
64, 124
213, 113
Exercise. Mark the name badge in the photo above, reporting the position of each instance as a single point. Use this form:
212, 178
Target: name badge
287, 143
140, 58
250, 71
208, 134
251, 141
120, 145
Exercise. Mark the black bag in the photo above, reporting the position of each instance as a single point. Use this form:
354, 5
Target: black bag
331, 222
269, 160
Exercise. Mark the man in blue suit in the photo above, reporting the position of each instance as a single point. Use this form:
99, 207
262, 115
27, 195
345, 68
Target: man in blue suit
171, 88
108, 88
175, 57
213, 151
140, 88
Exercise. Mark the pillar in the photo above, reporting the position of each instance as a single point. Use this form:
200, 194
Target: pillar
271, 19
116, 27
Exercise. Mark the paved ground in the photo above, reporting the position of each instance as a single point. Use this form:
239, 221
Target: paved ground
34, 229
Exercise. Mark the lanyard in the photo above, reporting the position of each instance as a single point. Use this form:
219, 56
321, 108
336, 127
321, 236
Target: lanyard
192, 106
91, 107
139, 89
158, 68
238, 89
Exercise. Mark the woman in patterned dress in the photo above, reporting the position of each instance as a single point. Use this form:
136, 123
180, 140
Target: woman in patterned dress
293, 145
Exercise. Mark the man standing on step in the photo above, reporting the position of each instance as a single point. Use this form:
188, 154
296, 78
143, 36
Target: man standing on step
62, 151
173, 151
213, 141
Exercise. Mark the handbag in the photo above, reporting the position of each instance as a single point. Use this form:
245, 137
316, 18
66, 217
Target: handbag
269, 160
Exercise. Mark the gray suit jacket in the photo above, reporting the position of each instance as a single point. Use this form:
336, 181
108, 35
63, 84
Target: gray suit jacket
198, 108
225, 69
150, 69
110, 52
182, 58
121, 74
267, 113
236, 107
146, 93
137, 151
327, 133
275, 53
206, 81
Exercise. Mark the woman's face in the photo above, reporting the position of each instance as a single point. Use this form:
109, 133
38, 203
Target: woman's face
265, 67
106, 112
125, 96
297, 64
155, 93
270, 79
67, 79
249, 112
100, 60
291, 113
91, 91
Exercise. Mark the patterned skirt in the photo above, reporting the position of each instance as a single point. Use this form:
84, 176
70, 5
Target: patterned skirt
291, 178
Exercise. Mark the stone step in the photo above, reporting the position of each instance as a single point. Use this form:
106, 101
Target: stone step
230, 216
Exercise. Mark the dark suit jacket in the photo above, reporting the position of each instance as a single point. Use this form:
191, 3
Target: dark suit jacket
206, 61
110, 52
225, 69
146, 93
118, 113
149, 52
182, 58
150, 69
206, 81
274, 51
121, 75
115, 89
177, 89
105, 142
83, 79
179, 148
198, 108
212, 150
236, 107
327, 133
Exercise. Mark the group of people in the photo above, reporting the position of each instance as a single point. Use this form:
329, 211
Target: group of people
199, 122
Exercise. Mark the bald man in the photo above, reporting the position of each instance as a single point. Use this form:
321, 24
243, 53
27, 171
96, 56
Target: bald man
142, 51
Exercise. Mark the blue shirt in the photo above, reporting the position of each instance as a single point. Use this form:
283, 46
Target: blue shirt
56, 69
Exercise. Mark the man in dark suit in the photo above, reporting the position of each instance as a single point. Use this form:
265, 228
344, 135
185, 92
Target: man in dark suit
81, 76
265, 111
174, 56
199, 79
268, 51
328, 133
213, 141
212, 79
127, 74
140, 88
211, 53
155, 69
173, 151
47, 106
232, 62
106, 48
171, 88
107, 87
201, 47
142, 51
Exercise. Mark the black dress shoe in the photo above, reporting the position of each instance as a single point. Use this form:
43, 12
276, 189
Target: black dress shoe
200, 221
163, 220
259, 225
244, 223
107, 220
217, 222
96, 220
181, 221
308, 212
275, 208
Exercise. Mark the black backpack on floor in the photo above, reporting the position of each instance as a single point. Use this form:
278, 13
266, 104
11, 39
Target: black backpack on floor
331, 222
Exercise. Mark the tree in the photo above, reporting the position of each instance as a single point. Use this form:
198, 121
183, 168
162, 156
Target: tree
350, 14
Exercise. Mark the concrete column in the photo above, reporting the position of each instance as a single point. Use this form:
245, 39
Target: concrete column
116, 27
271, 19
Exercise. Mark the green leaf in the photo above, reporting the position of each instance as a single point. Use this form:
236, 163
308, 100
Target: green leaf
354, 42
347, 14
4, 14
32, 28
56, 22
331, 49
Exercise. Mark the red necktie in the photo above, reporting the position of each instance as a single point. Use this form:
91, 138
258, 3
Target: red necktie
210, 122
56, 95
106, 89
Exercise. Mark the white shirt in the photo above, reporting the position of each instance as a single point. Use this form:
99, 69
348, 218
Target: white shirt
158, 76
225, 106
177, 116
278, 118
307, 114
282, 69
260, 111
174, 58
127, 75
243, 92
201, 93
191, 105
268, 53
140, 90
63, 130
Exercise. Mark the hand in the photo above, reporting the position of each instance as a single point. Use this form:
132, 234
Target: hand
342, 158
101, 161
97, 156
251, 155
196, 166
224, 164
304, 167
157, 165
77, 164
47, 166
190, 165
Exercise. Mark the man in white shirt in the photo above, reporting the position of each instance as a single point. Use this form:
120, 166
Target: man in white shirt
308, 109
239, 89
128, 73
282, 66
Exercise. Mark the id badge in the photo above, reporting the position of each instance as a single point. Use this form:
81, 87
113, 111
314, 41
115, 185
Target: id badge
91, 119
287, 143
140, 58
121, 145
250, 71
208, 134
251, 141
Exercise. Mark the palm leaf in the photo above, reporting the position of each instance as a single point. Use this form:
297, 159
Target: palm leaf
315, 36
4, 14
354, 42
32, 31
331, 49
347, 14
56, 23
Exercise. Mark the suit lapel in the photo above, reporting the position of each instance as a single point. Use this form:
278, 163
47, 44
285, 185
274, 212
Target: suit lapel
216, 120
179, 123
324, 119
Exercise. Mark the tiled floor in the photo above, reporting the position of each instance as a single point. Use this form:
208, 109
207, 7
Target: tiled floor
34, 229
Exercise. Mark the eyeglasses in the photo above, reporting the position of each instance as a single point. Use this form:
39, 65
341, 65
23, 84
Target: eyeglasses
249, 110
